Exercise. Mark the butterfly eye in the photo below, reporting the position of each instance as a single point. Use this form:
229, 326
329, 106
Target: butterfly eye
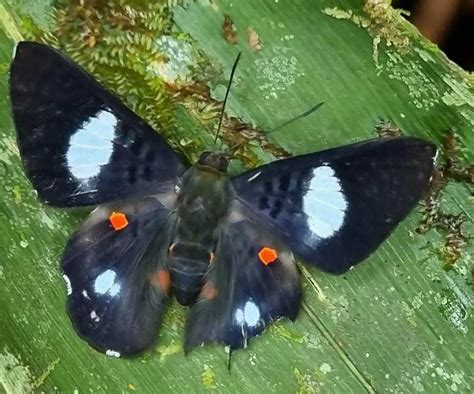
223, 164
203, 158
214, 160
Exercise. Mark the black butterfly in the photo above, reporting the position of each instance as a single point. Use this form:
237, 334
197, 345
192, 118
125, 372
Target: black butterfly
224, 246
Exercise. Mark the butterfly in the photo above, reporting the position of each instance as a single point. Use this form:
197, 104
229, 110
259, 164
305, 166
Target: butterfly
224, 246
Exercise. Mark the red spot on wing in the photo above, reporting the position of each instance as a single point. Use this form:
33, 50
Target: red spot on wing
161, 279
209, 291
118, 220
267, 255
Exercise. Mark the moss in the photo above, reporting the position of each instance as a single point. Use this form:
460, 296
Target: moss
208, 378
386, 23
282, 331
169, 349
306, 384
449, 169
39, 381
452, 309
381, 21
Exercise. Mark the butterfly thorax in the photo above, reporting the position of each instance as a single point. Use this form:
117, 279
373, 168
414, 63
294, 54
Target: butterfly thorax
203, 202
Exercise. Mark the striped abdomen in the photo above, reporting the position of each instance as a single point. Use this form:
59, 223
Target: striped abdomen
188, 263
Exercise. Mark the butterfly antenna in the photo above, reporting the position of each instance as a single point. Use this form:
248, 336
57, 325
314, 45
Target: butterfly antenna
227, 95
303, 115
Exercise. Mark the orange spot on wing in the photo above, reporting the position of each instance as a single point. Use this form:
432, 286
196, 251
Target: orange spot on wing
162, 280
118, 220
267, 255
209, 291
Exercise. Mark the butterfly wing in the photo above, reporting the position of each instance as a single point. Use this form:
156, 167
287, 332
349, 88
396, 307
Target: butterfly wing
80, 145
117, 279
334, 208
241, 295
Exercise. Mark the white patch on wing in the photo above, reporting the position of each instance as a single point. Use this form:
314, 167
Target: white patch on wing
68, 284
92, 145
112, 353
435, 158
95, 316
15, 47
251, 313
248, 315
239, 316
254, 176
324, 202
105, 283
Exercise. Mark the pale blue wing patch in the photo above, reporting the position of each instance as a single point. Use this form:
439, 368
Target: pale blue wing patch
248, 314
324, 202
106, 283
91, 146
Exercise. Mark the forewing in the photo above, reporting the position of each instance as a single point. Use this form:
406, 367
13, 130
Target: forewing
117, 279
80, 145
334, 208
241, 295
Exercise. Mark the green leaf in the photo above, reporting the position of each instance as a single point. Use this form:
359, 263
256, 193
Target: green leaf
398, 322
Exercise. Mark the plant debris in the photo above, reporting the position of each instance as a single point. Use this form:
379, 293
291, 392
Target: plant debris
253, 39
382, 22
387, 129
433, 215
229, 31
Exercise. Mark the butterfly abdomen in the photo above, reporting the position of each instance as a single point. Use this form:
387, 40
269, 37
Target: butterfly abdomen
188, 263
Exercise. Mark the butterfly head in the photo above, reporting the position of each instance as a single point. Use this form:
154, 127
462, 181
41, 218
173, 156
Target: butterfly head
217, 161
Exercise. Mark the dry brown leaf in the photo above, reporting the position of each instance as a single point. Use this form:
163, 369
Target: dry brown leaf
253, 39
229, 31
